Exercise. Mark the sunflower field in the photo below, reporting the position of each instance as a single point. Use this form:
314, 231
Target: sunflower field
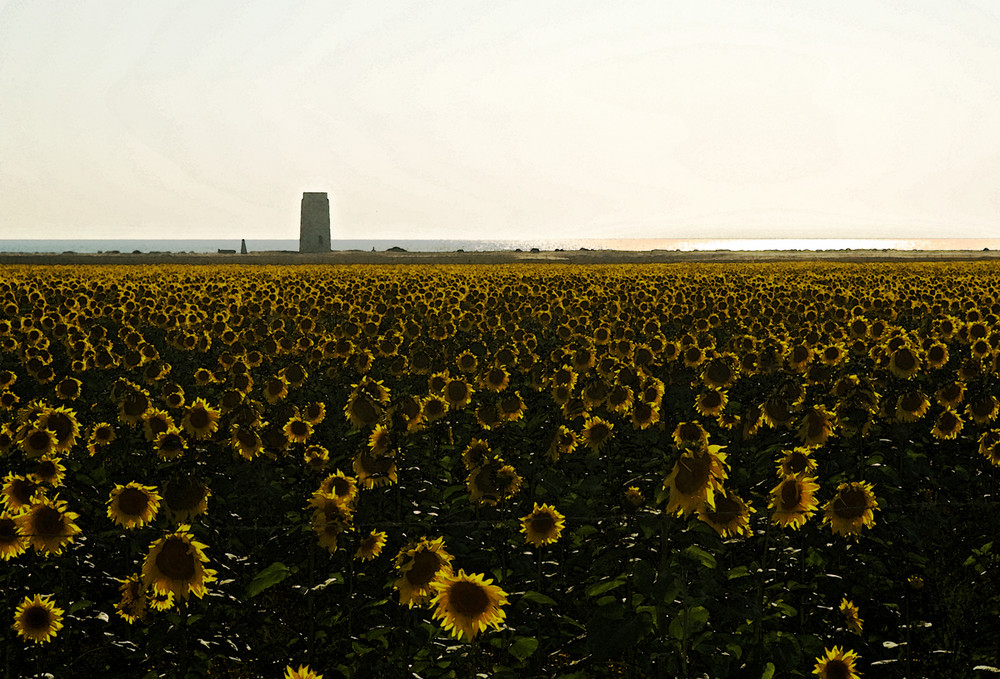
681, 470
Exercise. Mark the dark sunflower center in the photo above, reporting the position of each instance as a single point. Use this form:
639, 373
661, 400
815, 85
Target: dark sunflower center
643, 411
425, 567
22, 490
726, 510
777, 410
948, 422
172, 443
157, 425
911, 402
434, 408
8, 531
48, 522
295, 373
46, 469
543, 523
362, 409
133, 502
487, 413
905, 360
599, 432
791, 495
299, 428
817, 425
982, 408
199, 418
37, 618
800, 354
457, 391
511, 404
376, 465
39, 440
184, 494
711, 400
690, 432
314, 410
175, 559
692, 355
837, 669
135, 404
340, 486
692, 475
936, 353
275, 386
618, 395
60, 424
850, 504
797, 462
468, 599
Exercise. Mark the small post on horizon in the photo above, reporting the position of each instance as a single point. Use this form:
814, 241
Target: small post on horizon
243, 246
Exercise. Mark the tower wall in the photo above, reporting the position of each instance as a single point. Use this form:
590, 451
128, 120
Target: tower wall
314, 223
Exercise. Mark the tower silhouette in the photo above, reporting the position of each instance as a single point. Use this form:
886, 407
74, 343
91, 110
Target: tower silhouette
314, 223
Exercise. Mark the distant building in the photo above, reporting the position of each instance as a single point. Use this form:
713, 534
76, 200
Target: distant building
314, 223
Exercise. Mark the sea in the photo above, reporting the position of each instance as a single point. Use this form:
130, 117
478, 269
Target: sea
426, 245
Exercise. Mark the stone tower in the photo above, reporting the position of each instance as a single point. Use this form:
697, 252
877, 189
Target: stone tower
314, 223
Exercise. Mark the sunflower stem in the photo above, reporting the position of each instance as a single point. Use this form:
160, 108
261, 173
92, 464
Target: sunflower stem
310, 596
538, 569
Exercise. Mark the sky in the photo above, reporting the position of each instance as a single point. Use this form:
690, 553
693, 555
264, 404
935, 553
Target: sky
468, 119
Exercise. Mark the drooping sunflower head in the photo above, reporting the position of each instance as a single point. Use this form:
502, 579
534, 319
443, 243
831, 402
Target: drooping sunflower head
132, 605
201, 420
911, 406
696, 477
375, 470
797, 461
793, 500
468, 604
419, 565
13, 543
175, 563
947, 426
730, 517
989, 446
38, 619
543, 526
852, 616
690, 436
816, 426
476, 454
370, 546
48, 470
185, 497
596, 433
62, 422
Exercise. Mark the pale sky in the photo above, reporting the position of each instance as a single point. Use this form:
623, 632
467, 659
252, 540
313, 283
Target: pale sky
500, 119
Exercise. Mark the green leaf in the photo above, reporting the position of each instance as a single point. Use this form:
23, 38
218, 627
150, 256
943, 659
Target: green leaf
538, 598
738, 572
696, 553
523, 647
768, 671
688, 622
599, 588
269, 577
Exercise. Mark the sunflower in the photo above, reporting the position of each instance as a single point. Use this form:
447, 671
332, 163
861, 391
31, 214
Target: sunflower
937, 355
730, 517
302, 673
793, 500
989, 446
341, 485
62, 422
49, 526
12, 541
159, 601
596, 433
690, 436
133, 505
314, 412
331, 517
20, 492
947, 426
200, 420
836, 663
361, 410
797, 461
476, 454
48, 470
512, 407
695, 478
911, 406
316, 457
170, 445
644, 415
488, 416
904, 362
132, 605
816, 426
458, 394
492, 482
185, 497
634, 497
563, 443
297, 430
983, 409
68, 389
951, 394
852, 616
246, 441
371, 545
468, 604
851, 509
38, 442
155, 422
419, 565
710, 403
38, 619
543, 525
375, 470
467, 362
176, 564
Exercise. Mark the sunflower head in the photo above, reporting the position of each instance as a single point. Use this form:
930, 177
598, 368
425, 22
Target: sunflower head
38, 619
836, 663
468, 604
543, 526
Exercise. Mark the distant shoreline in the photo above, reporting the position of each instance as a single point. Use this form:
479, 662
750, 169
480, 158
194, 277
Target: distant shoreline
265, 258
